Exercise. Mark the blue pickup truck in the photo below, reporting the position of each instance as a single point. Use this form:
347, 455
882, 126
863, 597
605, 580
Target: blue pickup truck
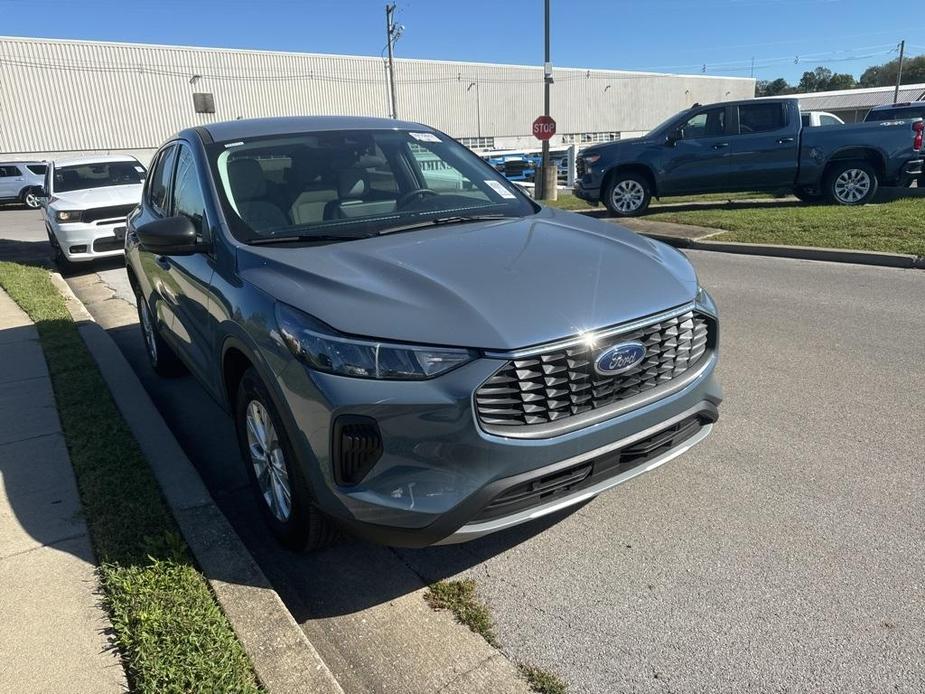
758, 145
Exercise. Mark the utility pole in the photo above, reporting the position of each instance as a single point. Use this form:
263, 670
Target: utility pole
391, 33
899, 74
549, 181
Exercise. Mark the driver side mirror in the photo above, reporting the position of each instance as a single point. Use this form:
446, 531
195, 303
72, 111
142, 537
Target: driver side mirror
675, 137
169, 236
42, 196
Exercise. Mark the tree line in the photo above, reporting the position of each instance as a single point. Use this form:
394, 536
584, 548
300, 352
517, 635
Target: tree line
822, 79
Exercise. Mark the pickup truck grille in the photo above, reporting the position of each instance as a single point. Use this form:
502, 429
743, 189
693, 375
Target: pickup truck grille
579, 166
98, 213
561, 383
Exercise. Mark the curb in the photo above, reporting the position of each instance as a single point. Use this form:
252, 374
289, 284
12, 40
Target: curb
832, 255
280, 652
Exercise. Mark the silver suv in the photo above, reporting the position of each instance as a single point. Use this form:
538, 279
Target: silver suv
410, 347
21, 181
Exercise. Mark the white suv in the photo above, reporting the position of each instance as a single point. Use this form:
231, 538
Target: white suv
86, 202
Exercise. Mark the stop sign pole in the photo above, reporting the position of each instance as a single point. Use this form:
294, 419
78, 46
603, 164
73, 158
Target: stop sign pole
547, 192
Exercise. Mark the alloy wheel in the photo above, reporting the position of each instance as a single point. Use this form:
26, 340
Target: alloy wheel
32, 201
268, 461
852, 185
628, 196
147, 328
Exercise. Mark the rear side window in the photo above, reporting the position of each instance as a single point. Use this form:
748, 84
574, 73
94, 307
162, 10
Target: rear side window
37, 169
159, 187
829, 120
8, 170
760, 118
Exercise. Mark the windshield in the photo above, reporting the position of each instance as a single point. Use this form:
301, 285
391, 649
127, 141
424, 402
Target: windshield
665, 124
101, 175
354, 183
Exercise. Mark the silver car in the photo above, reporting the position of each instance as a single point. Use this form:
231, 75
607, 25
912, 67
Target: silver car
410, 347
22, 181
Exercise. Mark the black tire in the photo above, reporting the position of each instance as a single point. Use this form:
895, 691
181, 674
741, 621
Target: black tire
65, 266
627, 195
161, 357
851, 183
304, 527
29, 198
807, 195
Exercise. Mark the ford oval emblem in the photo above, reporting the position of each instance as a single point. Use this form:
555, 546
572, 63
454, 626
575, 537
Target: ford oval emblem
619, 358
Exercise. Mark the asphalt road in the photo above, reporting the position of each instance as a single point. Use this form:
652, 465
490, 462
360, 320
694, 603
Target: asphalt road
785, 553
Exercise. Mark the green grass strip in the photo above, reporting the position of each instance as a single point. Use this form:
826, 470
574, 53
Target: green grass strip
894, 227
171, 633
542, 681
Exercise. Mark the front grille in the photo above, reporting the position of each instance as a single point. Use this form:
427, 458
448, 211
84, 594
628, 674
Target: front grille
112, 244
554, 385
113, 212
590, 472
516, 167
579, 166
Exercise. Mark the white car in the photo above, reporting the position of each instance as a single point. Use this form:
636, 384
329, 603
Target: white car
813, 119
86, 201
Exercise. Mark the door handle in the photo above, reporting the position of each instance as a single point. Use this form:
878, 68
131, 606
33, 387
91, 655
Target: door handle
163, 261
720, 145
786, 140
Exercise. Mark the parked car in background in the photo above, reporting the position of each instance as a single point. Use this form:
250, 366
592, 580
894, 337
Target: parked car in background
416, 361
909, 110
21, 181
514, 166
86, 202
750, 145
814, 119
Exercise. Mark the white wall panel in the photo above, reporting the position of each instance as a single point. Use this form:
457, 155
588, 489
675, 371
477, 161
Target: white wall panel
58, 96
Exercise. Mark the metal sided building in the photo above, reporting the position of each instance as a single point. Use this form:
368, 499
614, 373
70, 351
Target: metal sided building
63, 96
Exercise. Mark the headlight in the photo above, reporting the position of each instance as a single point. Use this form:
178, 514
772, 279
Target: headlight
591, 159
323, 348
68, 215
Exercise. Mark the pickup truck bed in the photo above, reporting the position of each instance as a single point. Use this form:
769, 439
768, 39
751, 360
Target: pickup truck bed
758, 144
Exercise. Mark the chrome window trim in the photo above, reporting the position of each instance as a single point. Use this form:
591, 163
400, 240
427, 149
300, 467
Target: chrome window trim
592, 335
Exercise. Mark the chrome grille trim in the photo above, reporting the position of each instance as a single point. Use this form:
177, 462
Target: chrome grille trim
558, 390
593, 335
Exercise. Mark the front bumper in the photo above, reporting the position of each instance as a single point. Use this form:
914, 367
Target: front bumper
86, 241
586, 190
440, 470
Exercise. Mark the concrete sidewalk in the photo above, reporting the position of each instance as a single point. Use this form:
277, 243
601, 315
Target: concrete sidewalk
52, 628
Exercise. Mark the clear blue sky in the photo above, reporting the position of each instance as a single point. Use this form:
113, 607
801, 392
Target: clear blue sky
668, 35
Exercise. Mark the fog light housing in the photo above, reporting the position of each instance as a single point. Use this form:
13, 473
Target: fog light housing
78, 249
356, 447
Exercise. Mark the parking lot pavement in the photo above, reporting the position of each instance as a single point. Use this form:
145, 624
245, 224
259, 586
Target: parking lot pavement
784, 553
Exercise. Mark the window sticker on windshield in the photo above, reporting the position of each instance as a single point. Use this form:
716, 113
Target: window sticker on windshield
500, 189
140, 169
425, 137
233, 144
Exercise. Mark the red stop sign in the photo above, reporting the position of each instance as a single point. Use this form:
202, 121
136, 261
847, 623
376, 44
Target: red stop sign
544, 127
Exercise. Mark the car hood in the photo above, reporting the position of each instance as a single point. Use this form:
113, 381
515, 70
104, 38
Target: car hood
98, 197
499, 285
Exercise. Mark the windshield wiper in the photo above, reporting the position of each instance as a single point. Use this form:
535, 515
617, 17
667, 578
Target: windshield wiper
301, 238
438, 221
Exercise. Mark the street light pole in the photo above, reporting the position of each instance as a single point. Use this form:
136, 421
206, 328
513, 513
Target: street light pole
390, 35
899, 74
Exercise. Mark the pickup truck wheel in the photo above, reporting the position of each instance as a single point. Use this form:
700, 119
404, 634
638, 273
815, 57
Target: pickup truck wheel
161, 356
627, 195
281, 490
851, 183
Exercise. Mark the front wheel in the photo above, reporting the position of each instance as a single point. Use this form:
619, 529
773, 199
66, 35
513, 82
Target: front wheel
851, 183
627, 195
280, 487
161, 356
